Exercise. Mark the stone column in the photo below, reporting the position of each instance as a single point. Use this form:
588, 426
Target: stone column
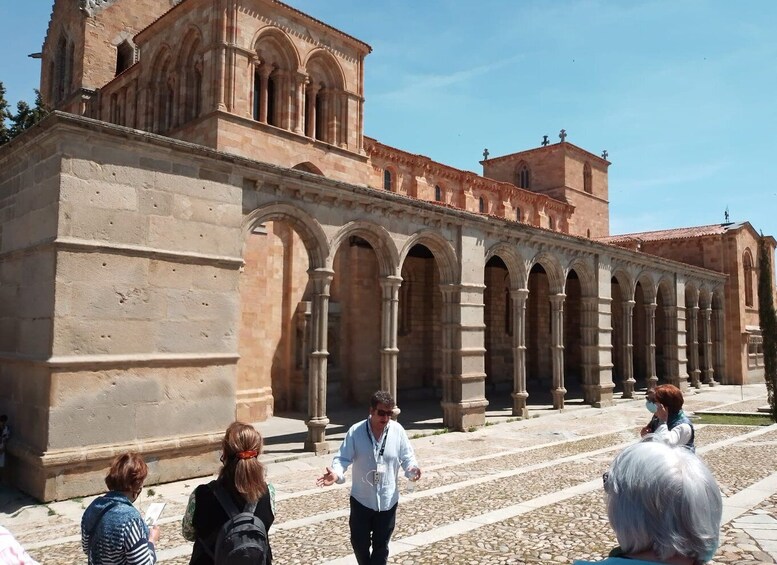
310, 122
671, 354
342, 120
588, 335
317, 419
264, 77
520, 395
706, 338
557, 349
628, 349
650, 316
720, 345
693, 339
466, 403
388, 330
300, 80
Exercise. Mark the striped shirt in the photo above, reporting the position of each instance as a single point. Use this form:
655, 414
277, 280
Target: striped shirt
120, 537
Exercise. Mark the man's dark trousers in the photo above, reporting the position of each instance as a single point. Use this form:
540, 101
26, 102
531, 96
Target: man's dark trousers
366, 525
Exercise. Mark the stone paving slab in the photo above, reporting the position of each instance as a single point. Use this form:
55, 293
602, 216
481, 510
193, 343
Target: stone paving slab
539, 477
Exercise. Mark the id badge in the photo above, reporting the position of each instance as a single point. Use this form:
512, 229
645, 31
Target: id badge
380, 472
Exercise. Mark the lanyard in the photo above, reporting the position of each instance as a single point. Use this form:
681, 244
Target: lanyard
375, 443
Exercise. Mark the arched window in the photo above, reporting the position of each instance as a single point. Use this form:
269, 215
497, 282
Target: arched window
63, 70
587, 179
481, 205
388, 180
518, 217
523, 175
551, 222
438, 193
747, 265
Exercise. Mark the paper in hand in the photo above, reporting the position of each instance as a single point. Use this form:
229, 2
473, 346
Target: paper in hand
153, 512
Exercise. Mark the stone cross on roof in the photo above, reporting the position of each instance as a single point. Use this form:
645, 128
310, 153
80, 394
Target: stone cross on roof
485, 154
545, 141
604, 154
562, 135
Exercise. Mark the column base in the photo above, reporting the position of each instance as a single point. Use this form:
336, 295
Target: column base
558, 398
628, 387
520, 408
460, 416
316, 440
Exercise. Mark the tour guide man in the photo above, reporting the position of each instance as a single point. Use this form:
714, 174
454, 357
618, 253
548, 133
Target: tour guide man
376, 448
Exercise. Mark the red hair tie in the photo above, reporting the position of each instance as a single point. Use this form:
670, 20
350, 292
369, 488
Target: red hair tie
247, 454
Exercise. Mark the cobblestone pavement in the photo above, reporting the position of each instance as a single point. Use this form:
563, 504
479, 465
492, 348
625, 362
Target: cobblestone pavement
515, 492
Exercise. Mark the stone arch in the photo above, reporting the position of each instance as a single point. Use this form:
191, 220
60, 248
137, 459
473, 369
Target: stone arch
274, 73
514, 262
321, 64
553, 270
305, 225
625, 282
667, 290
326, 101
748, 268
585, 274
649, 287
379, 239
161, 86
444, 254
308, 167
273, 46
191, 67
522, 175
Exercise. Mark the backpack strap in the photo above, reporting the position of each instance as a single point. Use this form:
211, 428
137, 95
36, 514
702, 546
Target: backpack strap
225, 500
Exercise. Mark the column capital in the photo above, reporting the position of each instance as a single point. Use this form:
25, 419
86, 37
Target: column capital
557, 299
519, 294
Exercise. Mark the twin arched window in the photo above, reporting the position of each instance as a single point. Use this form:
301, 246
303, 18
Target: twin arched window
482, 205
523, 175
438, 193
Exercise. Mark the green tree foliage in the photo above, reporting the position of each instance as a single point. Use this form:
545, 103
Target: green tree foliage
768, 322
5, 134
24, 118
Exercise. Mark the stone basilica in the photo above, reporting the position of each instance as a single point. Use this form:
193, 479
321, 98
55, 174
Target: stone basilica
202, 232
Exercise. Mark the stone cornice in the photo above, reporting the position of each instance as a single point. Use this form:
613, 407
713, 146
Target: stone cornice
571, 147
76, 363
315, 188
468, 179
167, 446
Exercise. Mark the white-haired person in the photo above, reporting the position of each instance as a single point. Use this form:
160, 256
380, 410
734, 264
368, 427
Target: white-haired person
663, 504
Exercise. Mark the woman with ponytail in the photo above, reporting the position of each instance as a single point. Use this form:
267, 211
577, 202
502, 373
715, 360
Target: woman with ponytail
242, 477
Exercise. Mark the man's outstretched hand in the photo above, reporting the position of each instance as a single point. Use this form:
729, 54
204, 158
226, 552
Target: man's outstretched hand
327, 479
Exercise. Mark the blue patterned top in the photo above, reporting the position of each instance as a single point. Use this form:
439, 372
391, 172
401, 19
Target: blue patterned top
121, 536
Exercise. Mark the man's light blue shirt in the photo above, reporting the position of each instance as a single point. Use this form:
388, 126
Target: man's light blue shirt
360, 449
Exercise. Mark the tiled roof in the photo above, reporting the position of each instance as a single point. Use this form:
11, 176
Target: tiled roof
676, 233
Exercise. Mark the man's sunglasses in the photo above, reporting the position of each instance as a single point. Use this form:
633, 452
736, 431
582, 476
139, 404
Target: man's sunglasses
383, 413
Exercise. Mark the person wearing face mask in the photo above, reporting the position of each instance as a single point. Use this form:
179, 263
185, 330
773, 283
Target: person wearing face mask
112, 530
376, 447
650, 405
674, 427
663, 504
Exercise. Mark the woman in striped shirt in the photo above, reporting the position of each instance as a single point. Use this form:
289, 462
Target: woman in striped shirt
112, 530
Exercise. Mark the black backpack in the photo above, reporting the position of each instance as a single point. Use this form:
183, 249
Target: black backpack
242, 540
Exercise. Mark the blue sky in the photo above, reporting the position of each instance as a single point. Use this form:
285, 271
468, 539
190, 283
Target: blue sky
682, 94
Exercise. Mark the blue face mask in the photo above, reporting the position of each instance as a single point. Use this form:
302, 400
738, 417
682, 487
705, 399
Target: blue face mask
651, 406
